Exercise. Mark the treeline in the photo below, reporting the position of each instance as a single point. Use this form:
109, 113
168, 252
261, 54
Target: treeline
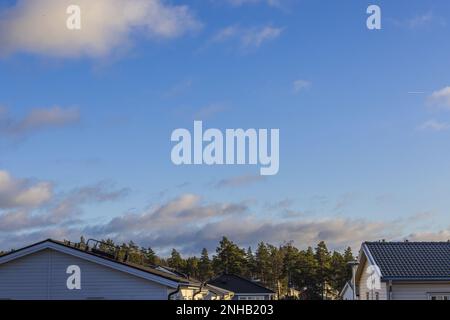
316, 272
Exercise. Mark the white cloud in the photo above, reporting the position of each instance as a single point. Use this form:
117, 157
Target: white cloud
38, 119
300, 85
39, 26
420, 21
227, 33
256, 37
440, 98
435, 125
20, 193
247, 38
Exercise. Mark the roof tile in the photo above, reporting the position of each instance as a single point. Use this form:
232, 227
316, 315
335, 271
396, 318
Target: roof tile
412, 260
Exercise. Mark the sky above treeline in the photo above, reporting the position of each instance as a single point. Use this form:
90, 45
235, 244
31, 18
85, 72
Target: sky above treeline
86, 118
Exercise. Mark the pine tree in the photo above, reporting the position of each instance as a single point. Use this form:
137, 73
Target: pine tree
346, 269
276, 269
305, 274
251, 264
263, 262
176, 261
229, 258
205, 266
337, 276
150, 256
323, 258
191, 267
290, 260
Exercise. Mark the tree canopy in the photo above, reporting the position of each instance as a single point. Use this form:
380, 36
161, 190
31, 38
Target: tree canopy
314, 271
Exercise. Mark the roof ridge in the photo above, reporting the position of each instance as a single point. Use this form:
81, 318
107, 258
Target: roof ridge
128, 264
408, 242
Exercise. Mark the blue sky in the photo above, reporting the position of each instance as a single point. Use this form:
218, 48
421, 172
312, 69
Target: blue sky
364, 119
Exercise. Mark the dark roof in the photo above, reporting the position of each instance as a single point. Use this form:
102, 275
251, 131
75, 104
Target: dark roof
239, 284
411, 260
128, 264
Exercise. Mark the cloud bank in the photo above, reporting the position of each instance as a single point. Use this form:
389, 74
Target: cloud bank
189, 223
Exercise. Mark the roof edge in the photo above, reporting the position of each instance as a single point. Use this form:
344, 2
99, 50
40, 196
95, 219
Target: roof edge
58, 246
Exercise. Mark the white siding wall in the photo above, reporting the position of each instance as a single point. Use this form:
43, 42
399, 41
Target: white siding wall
363, 289
417, 291
42, 275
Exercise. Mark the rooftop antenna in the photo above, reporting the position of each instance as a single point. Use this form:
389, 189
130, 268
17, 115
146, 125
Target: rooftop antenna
97, 249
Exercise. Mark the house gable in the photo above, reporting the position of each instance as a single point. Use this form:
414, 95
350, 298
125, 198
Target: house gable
407, 270
42, 275
42, 270
50, 244
365, 290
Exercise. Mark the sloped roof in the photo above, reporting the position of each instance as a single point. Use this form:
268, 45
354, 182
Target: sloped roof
239, 284
218, 291
50, 243
411, 260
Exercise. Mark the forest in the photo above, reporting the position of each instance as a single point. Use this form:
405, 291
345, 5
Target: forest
316, 271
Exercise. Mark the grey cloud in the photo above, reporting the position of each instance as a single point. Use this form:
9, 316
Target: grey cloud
58, 209
69, 205
239, 181
183, 212
23, 193
238, 3
280, 205
10, 241
345, 200
246, 231
190, 223
443, 235
37, 119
